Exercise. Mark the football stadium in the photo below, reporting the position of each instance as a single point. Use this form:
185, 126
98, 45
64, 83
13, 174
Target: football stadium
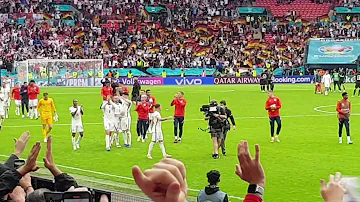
195, 100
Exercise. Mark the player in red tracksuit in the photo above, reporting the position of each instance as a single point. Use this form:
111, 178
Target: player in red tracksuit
33, 91
142, 109
106, 91
273, 106
152, 101
180, 103
15, 95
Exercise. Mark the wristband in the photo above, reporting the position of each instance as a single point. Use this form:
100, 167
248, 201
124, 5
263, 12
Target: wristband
256, 189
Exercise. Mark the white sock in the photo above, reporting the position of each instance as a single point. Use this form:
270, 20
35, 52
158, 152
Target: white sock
1, 121
348, 138
125, 138
117, 139
18, 110
36, 113
73, 141
151, 147
107, 140
162, 147
340, 139
79, 139
128, 134
31, 113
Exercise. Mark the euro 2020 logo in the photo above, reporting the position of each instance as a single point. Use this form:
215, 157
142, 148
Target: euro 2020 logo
335, 49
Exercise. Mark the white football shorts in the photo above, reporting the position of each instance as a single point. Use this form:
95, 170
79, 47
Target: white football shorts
157, 137
125, 123
17, 102
77, 129
110, 127
33, 103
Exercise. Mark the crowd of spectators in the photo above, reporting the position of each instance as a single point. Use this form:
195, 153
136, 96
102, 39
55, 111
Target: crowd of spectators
165, 182
188, 33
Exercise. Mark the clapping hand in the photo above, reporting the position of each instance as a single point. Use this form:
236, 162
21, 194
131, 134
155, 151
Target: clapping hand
250, 170
30, 165
333, 191
20, 144
49, 160
165, 182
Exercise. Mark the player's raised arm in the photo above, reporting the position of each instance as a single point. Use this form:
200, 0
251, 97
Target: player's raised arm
72, 111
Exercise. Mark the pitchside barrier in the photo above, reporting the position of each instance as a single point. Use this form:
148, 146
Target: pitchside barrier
38, 183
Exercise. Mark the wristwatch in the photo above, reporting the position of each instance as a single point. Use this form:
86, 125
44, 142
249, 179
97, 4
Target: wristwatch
257, 190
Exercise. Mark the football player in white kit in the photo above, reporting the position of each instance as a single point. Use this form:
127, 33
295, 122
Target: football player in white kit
157, 135
125, 121
76, 112
326, 80
119, 112
7, 98
2, 111
109, 122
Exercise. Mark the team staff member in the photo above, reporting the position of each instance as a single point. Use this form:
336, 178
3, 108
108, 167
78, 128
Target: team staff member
24, 99
263, 80
152, 101
46, 107
227, 126
273, 106
180, 103
135, 90
344, 109
142, 109
106, 91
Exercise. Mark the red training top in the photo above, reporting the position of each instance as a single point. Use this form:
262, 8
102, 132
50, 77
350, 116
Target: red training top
15, 93
33, 92
343, 108
179, 106
273, 101
152, 108
106, 91
142, 109
252, 198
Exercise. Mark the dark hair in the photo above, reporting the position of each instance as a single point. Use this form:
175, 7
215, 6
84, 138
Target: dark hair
344, 93
45, 94
37, 195
126, 93
121, 82
33, 81
157, 106
148, 90
25, 82
213, 177
182, 93
223, 102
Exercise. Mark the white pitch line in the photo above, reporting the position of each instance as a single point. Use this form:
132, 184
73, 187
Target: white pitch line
237, 118
109, 175
318, 109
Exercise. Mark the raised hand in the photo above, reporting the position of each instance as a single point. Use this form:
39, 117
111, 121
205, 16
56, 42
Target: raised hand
165, 182
333, 191
250, 170
30, 165
21, 143
49, 160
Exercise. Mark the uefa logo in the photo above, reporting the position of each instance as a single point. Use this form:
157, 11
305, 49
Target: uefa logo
335, 49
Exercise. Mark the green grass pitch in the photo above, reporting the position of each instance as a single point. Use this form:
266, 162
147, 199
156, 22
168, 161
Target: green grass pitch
308, 151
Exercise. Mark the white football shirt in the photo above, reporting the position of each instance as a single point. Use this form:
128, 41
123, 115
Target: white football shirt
76, 119
7, 84
109, 113
2, 100
157, 123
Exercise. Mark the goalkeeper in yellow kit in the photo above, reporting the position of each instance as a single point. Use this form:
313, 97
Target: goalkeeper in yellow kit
46, 107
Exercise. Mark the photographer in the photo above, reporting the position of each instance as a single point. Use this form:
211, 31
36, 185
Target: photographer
227, 126
217, 117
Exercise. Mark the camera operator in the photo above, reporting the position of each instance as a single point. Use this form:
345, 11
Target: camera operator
217, 117
227, 126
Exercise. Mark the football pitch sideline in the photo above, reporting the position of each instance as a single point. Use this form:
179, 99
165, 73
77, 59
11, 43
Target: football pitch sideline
308, 150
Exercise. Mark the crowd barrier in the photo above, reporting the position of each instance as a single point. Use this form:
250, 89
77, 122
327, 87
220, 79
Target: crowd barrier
256, 80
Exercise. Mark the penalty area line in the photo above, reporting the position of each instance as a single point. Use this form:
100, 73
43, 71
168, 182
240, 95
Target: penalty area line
109, 175
319, 109
134, 122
